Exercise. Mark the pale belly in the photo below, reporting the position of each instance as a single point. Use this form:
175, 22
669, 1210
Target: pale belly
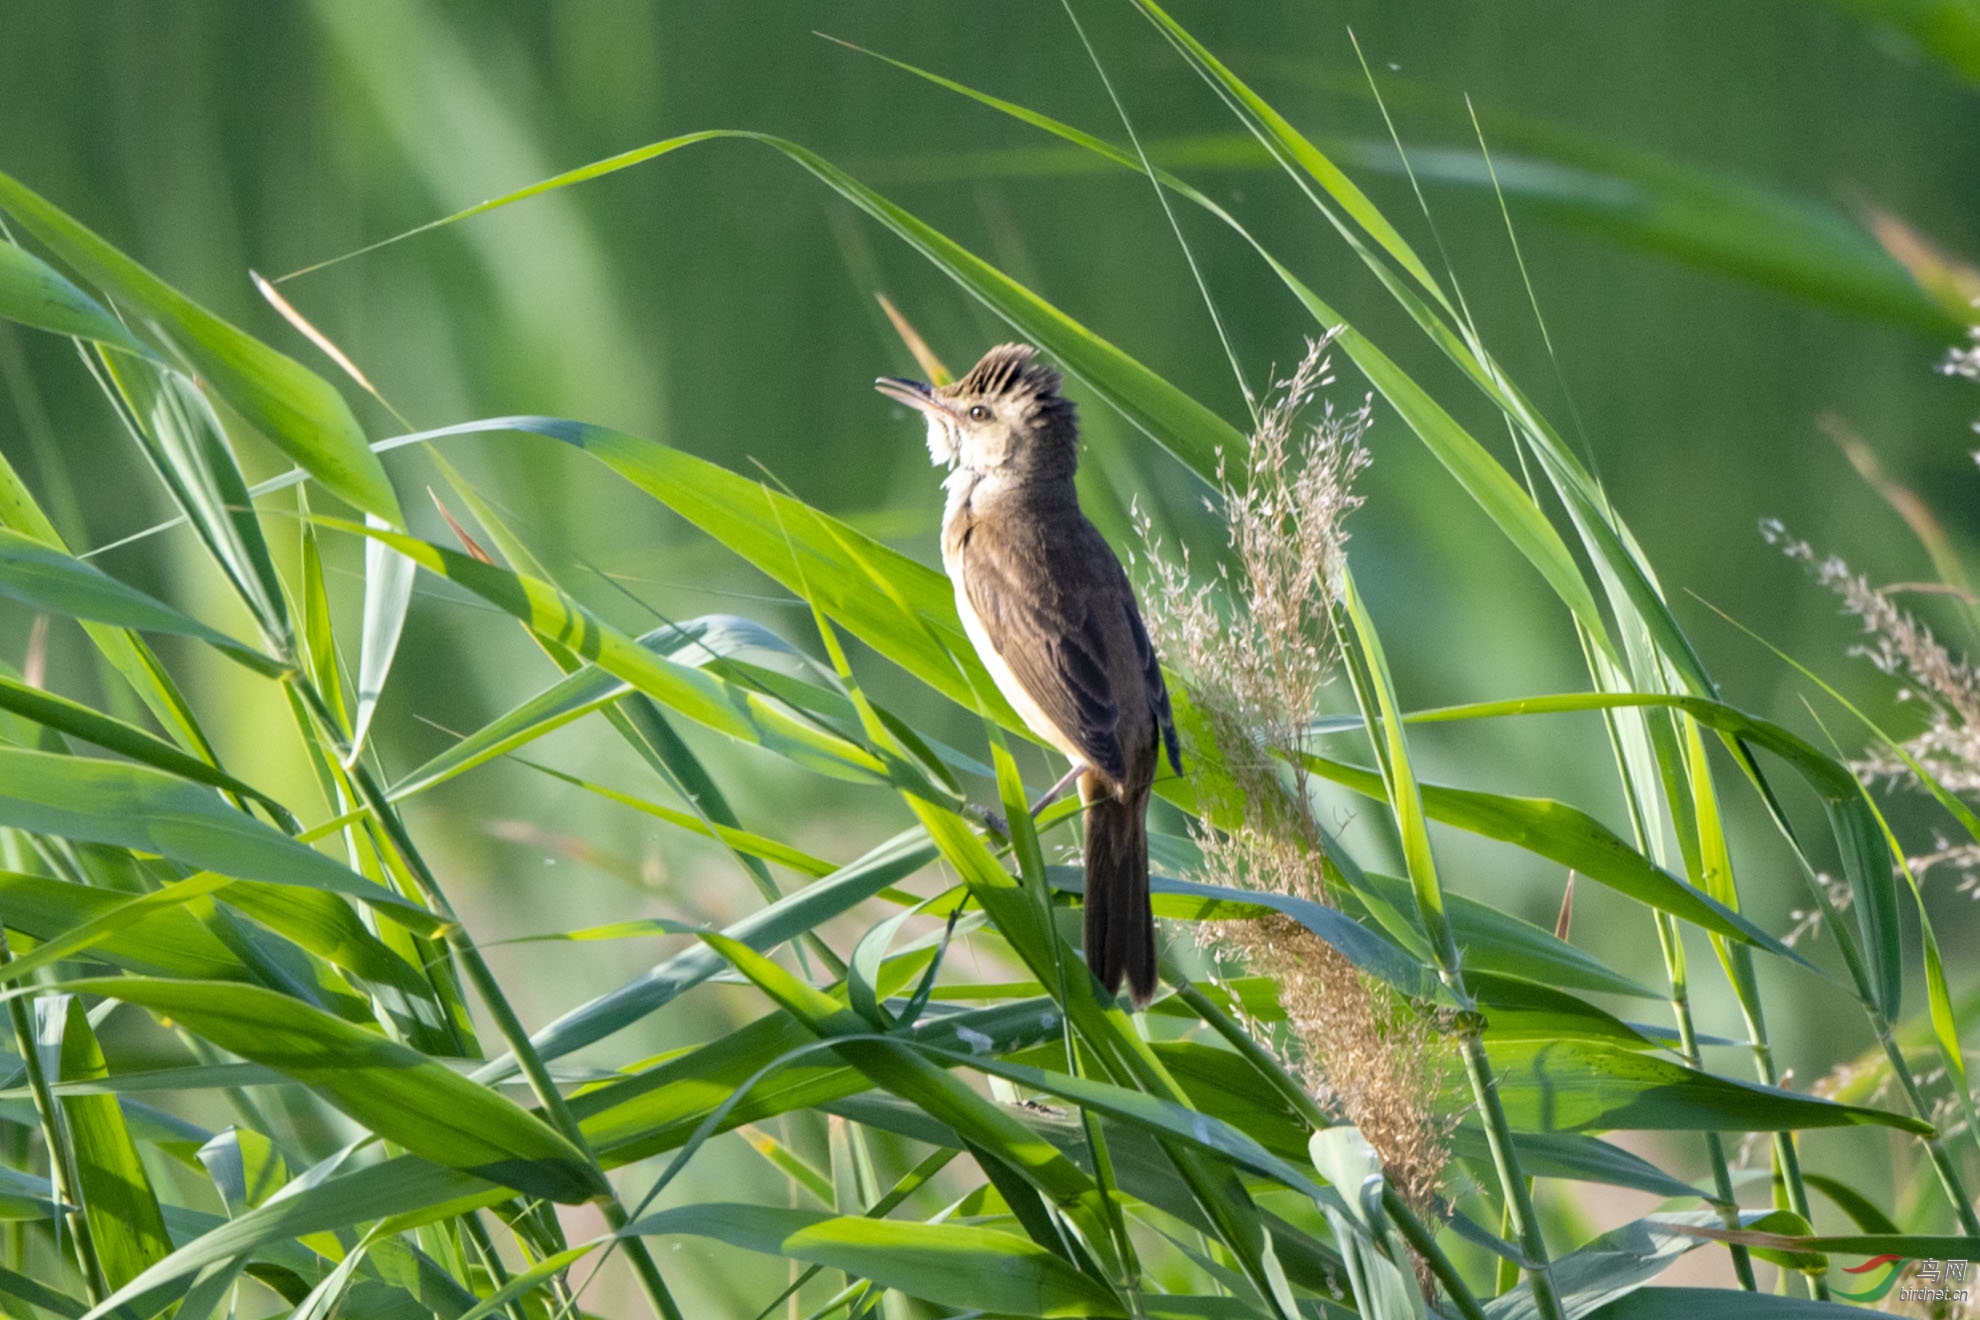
1000, 672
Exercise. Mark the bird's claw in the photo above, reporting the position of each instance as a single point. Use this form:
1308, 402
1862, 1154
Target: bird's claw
991, 820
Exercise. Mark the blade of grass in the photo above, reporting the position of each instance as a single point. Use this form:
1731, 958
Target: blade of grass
1375, 694
394, 1091
293, 406
64, 1176
185, 442
124, 652
118, 1197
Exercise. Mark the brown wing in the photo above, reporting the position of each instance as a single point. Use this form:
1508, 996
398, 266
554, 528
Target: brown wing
1047, 615
1157, 690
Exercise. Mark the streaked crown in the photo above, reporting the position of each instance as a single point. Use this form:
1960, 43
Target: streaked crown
1012, 375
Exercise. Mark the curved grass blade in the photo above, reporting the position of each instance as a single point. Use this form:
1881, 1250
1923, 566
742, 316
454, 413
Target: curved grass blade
388, 585
294, 407
1829, 778
246, 1168
1171, 418
1369, 949
80, 721
1573, 1155
1582, 1085
1855, 828
123, 1212
399, 1187
1494, 941
396, 1092
741, 714
1614, 1264
1521, 1010
1573, 838
182, 436
863, 969
35, 293
115, 919
783, 920
976, 1269
1862, 1211
134, 806
169, 941
45, 579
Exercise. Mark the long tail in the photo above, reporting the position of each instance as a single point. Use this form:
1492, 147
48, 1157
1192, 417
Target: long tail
1120, 930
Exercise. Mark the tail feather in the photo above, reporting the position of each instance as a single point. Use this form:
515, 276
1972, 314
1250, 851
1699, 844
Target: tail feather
1120, 929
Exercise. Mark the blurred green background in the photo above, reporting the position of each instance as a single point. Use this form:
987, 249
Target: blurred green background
1688, 180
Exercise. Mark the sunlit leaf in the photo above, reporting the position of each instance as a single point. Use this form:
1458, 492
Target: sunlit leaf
134, 806
35, 293
394, 1091
949, 1264
121, 1206
1579, 1085
291, 405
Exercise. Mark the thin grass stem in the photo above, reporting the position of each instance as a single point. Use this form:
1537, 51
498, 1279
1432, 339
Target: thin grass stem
510, 1027
62, 1172
1727, 1201
1519, 1197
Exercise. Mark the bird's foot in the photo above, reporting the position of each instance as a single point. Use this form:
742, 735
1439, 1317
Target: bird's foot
990, 820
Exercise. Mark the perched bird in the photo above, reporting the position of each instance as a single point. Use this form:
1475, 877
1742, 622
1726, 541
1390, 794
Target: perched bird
1051, 613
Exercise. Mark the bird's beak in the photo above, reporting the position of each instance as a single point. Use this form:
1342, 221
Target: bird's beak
914, 394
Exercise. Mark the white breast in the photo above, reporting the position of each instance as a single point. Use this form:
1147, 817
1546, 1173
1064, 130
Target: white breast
1007, 682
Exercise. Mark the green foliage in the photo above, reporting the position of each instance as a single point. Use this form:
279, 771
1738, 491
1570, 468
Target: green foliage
1045, 1153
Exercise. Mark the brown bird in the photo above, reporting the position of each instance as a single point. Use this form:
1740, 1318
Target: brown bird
1051, 613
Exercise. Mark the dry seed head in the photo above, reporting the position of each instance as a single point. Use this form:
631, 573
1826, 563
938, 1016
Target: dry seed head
1257, 647
1256, 644
1903, 647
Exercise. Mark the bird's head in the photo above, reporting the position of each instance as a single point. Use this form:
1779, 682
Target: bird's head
1004, 417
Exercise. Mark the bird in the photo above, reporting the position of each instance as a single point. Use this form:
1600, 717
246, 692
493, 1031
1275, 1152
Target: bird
1051, 613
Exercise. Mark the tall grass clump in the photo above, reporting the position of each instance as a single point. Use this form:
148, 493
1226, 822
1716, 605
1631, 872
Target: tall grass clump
1258, 648
1941, 759
261, 1061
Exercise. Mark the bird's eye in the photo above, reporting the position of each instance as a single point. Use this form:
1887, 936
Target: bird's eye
979, 413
